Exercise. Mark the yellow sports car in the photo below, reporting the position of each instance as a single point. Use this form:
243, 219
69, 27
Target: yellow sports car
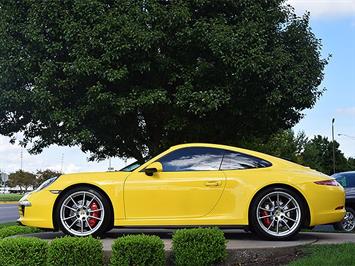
190, 185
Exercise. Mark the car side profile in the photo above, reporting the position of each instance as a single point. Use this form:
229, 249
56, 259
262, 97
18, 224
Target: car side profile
190, 185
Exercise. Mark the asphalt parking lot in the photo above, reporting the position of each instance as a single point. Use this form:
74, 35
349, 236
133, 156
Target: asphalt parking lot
8, 213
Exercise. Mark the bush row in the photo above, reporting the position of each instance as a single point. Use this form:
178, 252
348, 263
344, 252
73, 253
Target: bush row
17, 230
61, 251
200, 246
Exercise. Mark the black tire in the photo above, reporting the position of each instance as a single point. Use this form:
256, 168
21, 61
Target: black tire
348, 223
102, 226
261, 230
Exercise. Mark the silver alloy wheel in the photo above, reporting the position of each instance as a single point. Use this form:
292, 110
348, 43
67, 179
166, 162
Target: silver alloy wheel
75, 213
278, 214
348, 223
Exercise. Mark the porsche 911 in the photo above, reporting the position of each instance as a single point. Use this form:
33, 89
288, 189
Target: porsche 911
190, 185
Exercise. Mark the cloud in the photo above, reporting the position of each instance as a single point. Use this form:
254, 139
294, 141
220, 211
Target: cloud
74, 159
324, 8
346, 111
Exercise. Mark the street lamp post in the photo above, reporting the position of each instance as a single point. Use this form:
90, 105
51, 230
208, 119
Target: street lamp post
333, 145
348, 136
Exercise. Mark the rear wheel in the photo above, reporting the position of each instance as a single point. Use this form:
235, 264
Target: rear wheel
277, 214
83, 211
348, 223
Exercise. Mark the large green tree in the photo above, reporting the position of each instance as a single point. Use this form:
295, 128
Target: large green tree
129, 78
318, 154
284, 144
22, 179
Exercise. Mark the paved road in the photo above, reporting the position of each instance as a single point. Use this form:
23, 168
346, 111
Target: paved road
8, 213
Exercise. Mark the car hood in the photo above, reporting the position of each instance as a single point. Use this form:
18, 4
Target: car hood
98, 175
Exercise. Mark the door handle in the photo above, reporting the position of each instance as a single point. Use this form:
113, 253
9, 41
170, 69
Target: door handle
213, 183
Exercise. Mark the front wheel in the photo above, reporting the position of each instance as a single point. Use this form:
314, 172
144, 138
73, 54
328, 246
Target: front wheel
348, 223
277, 214
83, 211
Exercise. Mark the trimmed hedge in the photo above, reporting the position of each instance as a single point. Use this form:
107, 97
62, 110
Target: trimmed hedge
17, 230
199, 246
23, 251
75, 251
138, 250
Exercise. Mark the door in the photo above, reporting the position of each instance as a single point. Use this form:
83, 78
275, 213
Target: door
189, 186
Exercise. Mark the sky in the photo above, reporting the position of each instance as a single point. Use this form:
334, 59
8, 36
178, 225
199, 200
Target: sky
331, 21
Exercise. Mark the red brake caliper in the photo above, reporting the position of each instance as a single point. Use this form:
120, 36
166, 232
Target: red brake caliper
266, 220
94, 207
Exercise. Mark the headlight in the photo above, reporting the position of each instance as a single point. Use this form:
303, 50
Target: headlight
47, 183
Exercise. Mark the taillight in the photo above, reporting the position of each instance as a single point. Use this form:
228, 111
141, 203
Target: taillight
330, 182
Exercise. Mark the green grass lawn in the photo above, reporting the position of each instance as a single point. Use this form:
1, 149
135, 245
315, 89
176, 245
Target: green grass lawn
10, 197
320, 255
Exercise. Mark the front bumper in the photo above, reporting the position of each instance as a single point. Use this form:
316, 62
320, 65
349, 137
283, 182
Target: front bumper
36, 209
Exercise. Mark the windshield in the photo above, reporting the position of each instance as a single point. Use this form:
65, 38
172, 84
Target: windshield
131, 167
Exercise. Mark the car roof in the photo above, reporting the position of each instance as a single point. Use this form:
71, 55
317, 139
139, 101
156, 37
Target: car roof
342, 173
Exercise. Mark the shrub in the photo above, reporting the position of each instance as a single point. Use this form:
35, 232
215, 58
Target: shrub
75, 251
7, 224
17, 230
23, 251
199, 246
138, 250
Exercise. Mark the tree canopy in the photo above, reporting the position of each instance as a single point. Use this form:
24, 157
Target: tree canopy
22, 179
130, 78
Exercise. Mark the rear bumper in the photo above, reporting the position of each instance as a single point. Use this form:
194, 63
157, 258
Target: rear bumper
326, 203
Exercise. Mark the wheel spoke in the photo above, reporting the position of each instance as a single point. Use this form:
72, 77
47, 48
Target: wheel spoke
278, 199
68, 218
286, 224
70, 226
266, 216
272, 222
66, 206
261, 208
277, 226
292, 209
287, 202
270, 200
288, 218
88, 205
97, 218
83, 199
87, 222
76, 205
81, 225
95, 210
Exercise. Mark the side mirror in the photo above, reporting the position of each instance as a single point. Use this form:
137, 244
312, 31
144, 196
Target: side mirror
153, 168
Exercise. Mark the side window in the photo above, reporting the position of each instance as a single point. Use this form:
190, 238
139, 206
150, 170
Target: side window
350, 180
235, 161
192, 159
342, 180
